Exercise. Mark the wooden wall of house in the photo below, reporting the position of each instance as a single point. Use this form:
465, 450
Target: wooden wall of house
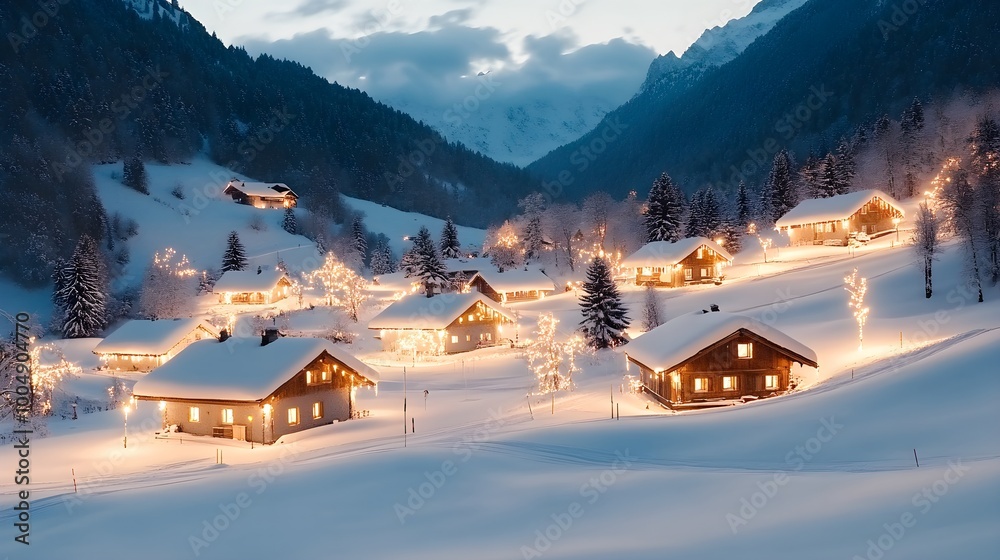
876, 216
674, 276
131, 364
480, 285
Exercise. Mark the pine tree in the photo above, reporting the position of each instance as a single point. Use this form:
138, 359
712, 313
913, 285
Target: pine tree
809, 177
732, 236
846, 167
652, 316
780, 188
450, 247
82, 293
134, 175
289, 223
828, 181
359, 243
533, 206
664, 211
604, 316
408, 263
235, 257
711, 213
382, 261
696, 215
927, 242
985, 147
428, 266
743, 211
961, 201
911, 125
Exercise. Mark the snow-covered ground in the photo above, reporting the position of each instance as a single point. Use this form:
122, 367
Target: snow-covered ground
494, 472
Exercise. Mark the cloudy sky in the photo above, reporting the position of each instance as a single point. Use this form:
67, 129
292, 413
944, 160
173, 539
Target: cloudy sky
422, 52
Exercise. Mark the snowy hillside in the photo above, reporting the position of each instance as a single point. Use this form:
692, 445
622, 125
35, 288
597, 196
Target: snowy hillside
493, 473
396, 224
720, 44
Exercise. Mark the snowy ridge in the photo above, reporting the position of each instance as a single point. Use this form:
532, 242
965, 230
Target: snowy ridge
719, 45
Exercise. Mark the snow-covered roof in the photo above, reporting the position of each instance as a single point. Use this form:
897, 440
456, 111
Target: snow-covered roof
517, 280
239, 369
396, 281
671, 344
434, 313
464, 264
149, 338
834, 208
240, 281
660, 253
268, 190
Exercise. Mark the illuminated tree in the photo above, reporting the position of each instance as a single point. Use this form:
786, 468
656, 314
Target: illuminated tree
504, 248
167, 287
342, 287
553, 362
858, 287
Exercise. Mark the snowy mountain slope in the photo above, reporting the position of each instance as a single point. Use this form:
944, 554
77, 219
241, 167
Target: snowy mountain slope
720, 44
396, 224
827, 469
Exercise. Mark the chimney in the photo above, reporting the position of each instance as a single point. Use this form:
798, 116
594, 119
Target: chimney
715, 308
223, 335
270, 335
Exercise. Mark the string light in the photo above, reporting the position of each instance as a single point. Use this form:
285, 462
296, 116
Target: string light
858, 287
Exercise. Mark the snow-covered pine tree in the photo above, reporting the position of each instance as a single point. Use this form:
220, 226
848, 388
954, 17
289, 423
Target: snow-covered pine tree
134, 175
83, 293
382, 260
664, 211
429, 268
321, 247
927, 243
408, 263
60, 273
359, 242
911, 126
235, 257
652, 316
533, 238
743, 210
696, 215
828, 180
809, 177
451, 248
846, 167
604, 315
780, 187
732, 236
711, 213
289, 223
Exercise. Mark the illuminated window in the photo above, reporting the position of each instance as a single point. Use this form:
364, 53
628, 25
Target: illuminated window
454, 339
293, 416
700, 384
468, 338
317, 410
486, 337
309, 378
472, 317
688, 274
744, 350
729, 383
227, 416
864, 209
325, 376
701, 252
705, 273
194, 414
770, 381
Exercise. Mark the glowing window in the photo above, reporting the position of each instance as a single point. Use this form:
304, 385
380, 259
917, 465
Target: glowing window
688, 274
701, 252
744, 350
729, 383
700, 384
194, 414
293, 416
227, 416
770, 381
317, 410
454, 339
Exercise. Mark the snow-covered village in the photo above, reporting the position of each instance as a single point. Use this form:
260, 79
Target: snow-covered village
356, 279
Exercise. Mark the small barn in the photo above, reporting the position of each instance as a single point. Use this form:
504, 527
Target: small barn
694, 260
707, 357
832, 220
252, 286
512, 285
262, 195
142, 345
256, 389
444, 324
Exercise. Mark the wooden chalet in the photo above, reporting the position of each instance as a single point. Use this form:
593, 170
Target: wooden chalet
252, 286
513, 285
833, 220
142, 345
715, 357
695, 260
444, 324
262, 195
256, 389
